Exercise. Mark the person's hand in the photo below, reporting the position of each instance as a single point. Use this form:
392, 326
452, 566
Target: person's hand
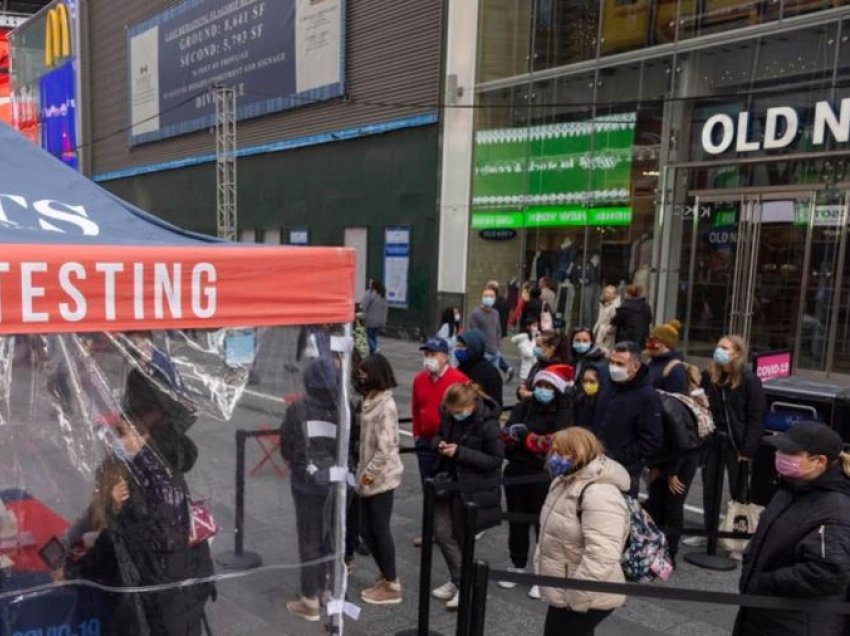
366, 480
675, 485
524, 393
447, 450
742, 458
120, 494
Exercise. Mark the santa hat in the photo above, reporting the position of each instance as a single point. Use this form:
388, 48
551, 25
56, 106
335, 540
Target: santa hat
559, 376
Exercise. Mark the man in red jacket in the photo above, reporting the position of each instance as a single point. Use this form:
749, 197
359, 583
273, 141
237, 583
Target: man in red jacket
429, 387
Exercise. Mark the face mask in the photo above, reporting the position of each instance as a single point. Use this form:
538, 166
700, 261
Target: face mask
559, 465
462, 355
457, 317
618, 374
544, 395
116, 447
590, 388
789, 466
581, 347
463, 415
488, 301
538, 353
722, 357
432, 364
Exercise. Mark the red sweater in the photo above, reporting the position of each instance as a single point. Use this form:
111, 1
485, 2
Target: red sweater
427, 398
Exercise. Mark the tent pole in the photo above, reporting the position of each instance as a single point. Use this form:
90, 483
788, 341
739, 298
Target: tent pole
340, 571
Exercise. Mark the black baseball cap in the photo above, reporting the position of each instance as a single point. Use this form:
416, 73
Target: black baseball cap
813, 438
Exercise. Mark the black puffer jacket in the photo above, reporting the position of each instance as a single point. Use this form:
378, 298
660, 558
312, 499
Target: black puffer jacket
801, 550
745, 406
477, 369
479, 457
542, 420
632, 320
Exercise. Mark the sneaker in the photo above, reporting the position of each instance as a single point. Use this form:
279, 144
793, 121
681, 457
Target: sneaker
452, 604
509, 585
695, 542
305, 609
479, 535
445, 592
383, 593
534, 593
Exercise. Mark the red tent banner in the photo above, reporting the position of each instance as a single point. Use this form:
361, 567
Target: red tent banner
62, 288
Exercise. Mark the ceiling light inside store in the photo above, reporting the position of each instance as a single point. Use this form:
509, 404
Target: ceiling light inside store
651, 173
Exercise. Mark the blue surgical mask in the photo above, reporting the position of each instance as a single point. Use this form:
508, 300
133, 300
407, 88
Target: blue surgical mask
462, 355
721, 356
581, 347
559, 465
544, 395
538, 353
463, 415
488, 301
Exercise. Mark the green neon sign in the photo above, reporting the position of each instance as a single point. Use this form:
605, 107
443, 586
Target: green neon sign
542, 217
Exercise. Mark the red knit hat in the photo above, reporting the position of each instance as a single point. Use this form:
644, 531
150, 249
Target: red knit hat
559, 376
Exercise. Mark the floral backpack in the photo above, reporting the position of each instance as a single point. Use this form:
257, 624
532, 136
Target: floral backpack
646, 555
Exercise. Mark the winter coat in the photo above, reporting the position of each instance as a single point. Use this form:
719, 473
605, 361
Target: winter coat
632, 320
308, 432
530, 313
739, 411
631, 427
526, 354
479, 457
375, 309
504, 313
676, 380
379, 456
541, 420
601, 334
479, 370
588, 547
490, 323
801, 550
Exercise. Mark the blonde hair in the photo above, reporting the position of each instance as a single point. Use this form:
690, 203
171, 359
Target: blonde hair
736, 368
579, 444
463, 394
108, 475
844, 458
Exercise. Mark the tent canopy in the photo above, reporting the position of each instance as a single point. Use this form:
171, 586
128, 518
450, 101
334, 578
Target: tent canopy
76, 258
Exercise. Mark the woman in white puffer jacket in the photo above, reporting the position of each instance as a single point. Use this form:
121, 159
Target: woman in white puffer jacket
586, 544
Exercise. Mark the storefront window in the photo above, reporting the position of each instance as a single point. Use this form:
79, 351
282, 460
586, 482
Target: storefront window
565, 31
504, 38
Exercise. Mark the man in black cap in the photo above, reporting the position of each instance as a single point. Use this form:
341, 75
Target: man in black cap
801, 548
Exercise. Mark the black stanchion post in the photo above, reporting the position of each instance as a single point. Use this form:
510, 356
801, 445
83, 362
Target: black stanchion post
464, 613
239, 559
709, 559
480, 581
425, 560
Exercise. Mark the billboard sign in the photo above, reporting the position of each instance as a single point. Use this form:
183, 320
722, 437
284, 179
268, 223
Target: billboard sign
277, 54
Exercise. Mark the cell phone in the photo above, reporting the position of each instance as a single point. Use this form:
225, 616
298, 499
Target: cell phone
53, 553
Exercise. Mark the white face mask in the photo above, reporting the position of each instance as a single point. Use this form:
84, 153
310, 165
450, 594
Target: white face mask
432, 365
618, 374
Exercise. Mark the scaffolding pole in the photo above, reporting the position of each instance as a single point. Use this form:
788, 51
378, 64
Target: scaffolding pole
225, 155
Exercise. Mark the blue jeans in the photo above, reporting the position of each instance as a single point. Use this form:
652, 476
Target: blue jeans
498, 361
372, 338
426, 457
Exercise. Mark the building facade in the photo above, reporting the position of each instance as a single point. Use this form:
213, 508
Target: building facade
353, 162
698, 149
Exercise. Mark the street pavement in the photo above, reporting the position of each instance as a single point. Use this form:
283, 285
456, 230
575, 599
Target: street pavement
253, 603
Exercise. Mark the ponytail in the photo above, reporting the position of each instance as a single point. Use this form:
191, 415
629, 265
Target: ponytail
462, 394
844, 458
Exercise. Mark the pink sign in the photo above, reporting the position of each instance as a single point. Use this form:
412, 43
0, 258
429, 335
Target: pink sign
774, 365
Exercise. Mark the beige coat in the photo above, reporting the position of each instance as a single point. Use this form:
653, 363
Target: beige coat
589, 549
379, 457
603, 333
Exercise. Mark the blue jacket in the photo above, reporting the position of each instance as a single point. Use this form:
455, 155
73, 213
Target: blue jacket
676, 380
631, 427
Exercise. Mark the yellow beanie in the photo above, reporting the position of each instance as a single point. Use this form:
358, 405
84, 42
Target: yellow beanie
667, 334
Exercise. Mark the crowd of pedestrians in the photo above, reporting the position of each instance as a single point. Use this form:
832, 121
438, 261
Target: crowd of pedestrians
590, 423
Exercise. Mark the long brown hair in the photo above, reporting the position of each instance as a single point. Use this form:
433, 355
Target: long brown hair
736, 368
461, 394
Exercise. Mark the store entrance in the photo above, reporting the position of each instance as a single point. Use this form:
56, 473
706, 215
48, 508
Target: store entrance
763, 265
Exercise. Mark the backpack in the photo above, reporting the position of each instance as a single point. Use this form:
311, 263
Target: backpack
681, 431
702, 415
646, 555
692, 372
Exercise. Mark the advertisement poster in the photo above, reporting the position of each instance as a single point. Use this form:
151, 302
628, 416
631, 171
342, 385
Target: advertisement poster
277, 54
396, 264
59, 114
772, 365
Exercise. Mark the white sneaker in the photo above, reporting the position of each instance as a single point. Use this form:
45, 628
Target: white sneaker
534, 593
445, 592
509, 585
454, 602
479, 535
695, 542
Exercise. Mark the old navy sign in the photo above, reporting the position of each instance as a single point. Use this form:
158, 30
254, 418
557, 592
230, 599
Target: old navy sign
722, 132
